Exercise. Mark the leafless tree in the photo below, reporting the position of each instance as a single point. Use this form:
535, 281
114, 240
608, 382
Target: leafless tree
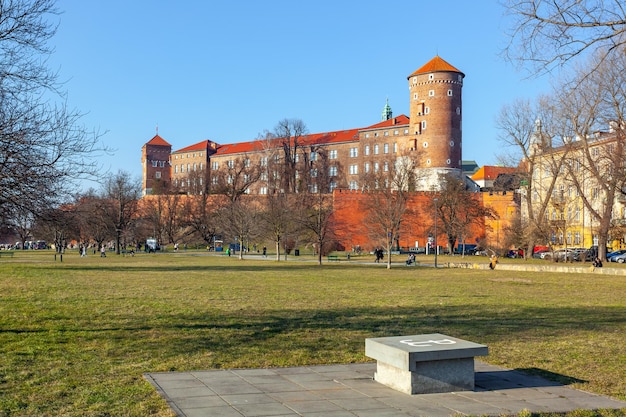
593, 112
234, 178
123, 193
528, 131
388, 184
551, 33
240, 220
458, 209
43, 148
290, 133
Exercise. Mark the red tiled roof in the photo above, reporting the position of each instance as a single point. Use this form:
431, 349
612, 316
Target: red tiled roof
200, 146
491, 172
158, 140
435, 65
394, 121
307, 140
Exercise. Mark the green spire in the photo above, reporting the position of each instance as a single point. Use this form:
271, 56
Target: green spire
387, 114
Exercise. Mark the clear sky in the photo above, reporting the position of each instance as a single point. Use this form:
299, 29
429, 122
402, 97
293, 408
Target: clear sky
228, 70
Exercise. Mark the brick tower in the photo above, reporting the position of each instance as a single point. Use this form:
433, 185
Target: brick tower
436, 115
155, 161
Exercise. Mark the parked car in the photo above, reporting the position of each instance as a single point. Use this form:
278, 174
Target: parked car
611, 256
561, 255
620, 259
540, 254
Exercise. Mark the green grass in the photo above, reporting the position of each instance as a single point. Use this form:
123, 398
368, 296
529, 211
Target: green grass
77, 336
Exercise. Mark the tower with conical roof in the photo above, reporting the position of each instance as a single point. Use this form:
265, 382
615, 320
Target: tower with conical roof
436, 115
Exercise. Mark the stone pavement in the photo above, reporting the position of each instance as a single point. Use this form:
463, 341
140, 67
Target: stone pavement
349, 390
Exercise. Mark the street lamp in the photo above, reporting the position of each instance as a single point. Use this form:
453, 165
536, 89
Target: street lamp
435, 200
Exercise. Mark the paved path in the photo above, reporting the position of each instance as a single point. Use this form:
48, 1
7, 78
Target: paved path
349, 390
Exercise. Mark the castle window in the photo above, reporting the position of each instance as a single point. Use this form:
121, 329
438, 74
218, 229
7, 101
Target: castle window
460, 77
386, 148
428, 162
414, 80
431, 93
431, 76
386, 133
406, 131
448, 161
332, 171
449, 93
263, 161
215, 166
176, 169
367, 167
376, 149
354, 185
154, 164
386, 166
458, 110
452, 144
332, 154
415, 96
395, 133
333, 185
263, 190
354, 152
423, 124
157, 175
313, 156
354, 169
231, 163
395, 148
425, 144
367, 149
426, 110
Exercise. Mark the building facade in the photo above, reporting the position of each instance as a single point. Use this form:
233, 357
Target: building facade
431, 135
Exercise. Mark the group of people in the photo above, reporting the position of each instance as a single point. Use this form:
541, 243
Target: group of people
379, 254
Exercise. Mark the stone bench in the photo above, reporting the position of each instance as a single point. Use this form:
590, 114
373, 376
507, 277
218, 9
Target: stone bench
333, 257
424, 364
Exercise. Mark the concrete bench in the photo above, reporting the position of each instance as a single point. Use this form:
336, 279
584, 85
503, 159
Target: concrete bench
424, 364
333, 258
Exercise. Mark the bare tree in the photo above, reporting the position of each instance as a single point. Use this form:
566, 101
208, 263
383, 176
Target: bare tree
201, 217
123, 194
278, 218
290, 132
388, 184
458, 209
528, 131
43, 148
235, 178
593, 109
551, 33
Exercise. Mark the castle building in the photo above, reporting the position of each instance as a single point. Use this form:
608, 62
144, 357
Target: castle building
431, 135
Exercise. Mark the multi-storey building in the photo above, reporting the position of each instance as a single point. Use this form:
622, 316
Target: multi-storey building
577, 189
431, 135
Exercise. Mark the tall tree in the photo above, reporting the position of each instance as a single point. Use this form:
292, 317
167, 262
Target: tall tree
458, 209
592, 102
290, 133
43, 148
388, 184
528, 130
551, 33
123, 194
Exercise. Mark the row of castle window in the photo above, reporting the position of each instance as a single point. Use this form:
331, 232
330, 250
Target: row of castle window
188, 155
431, 77
189, 167
386, 133
431, 93
332, 154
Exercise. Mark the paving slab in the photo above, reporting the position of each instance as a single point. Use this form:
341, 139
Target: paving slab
350, 390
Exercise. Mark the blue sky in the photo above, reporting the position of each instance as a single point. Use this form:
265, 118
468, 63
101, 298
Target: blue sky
228, 70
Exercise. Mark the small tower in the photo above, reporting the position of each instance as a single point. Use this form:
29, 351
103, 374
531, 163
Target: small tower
387, 114
436, 114
155, 161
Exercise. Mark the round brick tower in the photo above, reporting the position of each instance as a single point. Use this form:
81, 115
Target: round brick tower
436, 115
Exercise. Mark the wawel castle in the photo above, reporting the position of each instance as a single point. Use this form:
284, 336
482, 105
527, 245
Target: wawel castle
431, 135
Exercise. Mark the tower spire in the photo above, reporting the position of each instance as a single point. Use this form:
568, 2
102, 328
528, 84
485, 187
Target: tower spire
387, 114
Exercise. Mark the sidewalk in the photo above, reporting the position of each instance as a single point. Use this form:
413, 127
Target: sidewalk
349, 390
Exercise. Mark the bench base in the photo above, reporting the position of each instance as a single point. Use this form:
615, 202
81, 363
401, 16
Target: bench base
429, 377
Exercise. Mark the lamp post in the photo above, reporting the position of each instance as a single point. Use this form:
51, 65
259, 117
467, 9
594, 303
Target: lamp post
435, 200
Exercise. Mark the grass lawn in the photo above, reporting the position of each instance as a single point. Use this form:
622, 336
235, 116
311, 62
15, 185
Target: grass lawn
76, 336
